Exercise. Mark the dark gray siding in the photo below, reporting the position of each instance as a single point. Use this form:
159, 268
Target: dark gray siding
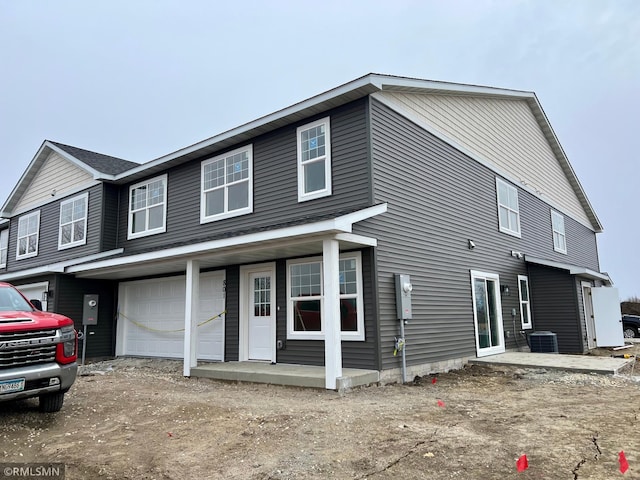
438, 199
49, 227
231, 318
555, 306
275, 191
110, 216
69, 299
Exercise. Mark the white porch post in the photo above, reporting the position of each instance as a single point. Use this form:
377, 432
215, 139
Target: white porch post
331, 313
191, 316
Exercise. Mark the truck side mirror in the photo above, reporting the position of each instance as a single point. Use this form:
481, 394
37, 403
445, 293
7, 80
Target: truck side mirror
36, 303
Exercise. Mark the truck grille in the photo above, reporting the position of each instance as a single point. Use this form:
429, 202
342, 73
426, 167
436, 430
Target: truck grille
27, 348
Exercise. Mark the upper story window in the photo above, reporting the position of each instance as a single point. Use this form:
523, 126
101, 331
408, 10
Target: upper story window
4, 247
73, 222
525, 302
559, 237
305, 294
508, 209
148, 207
314, 160
227, 185
28, 233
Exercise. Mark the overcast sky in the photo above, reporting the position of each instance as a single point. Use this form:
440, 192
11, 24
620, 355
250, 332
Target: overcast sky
139, 79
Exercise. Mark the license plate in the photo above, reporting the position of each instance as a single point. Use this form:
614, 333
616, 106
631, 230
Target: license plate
10, 386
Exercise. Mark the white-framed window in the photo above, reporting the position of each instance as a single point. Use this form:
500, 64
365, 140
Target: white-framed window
227, 185
148, 207
305, 295
4, 247
314, 160
73, 222
525, 302
559, 237
508, 209
28, 233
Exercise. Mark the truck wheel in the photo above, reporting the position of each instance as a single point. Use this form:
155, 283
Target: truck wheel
629, 332
51, 402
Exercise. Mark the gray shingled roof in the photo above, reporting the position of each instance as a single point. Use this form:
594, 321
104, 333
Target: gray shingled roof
98, 161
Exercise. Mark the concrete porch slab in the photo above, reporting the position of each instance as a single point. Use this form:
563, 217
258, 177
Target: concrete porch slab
283, 374
573, 363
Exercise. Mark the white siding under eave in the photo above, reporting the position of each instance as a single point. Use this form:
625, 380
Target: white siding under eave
55, 174
502, 133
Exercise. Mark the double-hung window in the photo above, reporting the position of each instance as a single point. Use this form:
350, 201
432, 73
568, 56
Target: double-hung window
314, 160
305, 318
508, 209
4, 247
28, 233
559, 237
525, 302
148, 207
73, 222
227, 185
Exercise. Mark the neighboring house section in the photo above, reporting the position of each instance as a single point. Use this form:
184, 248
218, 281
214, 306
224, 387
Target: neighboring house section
279, 241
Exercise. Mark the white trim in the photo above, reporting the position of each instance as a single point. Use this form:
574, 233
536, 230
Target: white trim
342, 224
57, 267
37, 233
85, 218
326, 159
558, 227
508, 207
354, 238
572, 269
589, 321
359, 334
4, 247
481, 352
225, 187
145, 233
525, 303
245, 297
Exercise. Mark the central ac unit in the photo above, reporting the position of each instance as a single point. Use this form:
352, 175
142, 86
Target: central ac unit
543, 342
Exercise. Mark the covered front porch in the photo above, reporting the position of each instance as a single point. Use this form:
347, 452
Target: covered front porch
247, 335
284, 374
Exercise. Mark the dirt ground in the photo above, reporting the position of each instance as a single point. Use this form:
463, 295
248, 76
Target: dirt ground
140, 419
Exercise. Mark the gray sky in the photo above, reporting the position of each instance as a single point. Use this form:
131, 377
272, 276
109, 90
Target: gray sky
139, 79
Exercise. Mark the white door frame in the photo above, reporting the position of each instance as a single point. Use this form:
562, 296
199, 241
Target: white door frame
245, 298
588, 314
481, 352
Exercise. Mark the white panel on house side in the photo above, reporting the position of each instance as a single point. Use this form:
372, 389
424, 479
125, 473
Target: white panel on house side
56, 174
502, 132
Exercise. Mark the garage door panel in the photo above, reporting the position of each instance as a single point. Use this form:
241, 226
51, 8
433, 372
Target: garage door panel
154, 307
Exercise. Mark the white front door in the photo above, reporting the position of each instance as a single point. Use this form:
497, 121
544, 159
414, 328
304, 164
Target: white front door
261, 318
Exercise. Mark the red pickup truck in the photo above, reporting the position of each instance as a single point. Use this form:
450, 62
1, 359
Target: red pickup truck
38, 352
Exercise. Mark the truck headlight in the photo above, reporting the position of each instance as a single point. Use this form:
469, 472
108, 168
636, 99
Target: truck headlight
67, 349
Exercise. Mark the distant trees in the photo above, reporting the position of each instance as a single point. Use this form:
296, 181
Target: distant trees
630, 306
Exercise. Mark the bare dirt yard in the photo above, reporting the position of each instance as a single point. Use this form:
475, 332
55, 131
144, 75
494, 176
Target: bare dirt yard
140, 419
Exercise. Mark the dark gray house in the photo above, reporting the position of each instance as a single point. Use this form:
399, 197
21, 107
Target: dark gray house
279, 241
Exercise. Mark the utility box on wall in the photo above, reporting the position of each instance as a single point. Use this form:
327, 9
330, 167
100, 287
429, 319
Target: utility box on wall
403, 296
90, 310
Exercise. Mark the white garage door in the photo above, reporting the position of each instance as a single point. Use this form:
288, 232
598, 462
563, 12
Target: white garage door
151, 320
35, 291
